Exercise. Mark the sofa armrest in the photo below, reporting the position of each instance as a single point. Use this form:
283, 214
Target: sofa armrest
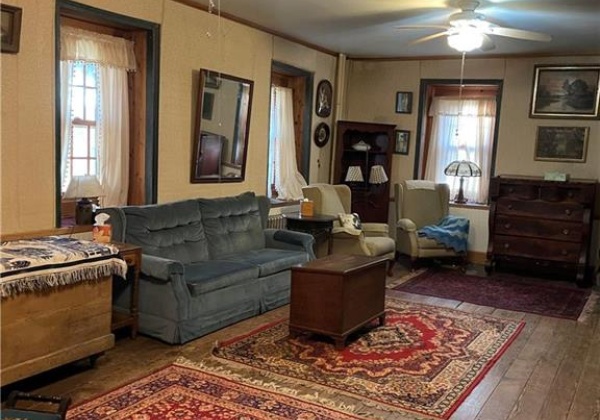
289, 239
160, 268
406, 225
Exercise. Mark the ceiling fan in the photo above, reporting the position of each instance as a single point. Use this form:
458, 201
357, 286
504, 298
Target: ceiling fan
468, 30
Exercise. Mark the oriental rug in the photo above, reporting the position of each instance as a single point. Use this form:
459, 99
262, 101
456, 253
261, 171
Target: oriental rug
185, 392
424, 360
501, 290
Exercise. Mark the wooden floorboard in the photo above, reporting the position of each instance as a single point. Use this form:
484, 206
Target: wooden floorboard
551, 371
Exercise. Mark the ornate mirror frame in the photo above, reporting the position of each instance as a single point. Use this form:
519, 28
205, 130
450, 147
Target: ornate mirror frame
222, 128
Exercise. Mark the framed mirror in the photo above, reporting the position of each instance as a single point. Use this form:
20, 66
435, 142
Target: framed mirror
222, 126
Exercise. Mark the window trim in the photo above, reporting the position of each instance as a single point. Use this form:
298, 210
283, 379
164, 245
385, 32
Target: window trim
424, 101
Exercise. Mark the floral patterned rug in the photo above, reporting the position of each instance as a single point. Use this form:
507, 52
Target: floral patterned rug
502, 290
185, 392
425, 360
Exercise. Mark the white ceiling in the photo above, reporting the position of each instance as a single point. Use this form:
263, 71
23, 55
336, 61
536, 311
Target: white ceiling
366, 28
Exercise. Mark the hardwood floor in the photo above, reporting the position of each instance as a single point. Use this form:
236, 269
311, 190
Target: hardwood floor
551, 371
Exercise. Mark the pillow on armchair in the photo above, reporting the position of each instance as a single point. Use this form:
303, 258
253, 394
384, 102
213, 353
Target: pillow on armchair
350, 223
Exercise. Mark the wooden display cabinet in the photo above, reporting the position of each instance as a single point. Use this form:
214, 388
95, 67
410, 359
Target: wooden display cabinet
369, 200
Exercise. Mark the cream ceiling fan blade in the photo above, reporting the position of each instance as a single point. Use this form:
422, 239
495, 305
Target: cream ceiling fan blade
518, 34
403, 27
487, 44
428, 38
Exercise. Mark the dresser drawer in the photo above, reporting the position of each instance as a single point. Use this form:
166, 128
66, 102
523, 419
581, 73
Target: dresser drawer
538, 228
519, 191
583, 194
540, 209
539, 249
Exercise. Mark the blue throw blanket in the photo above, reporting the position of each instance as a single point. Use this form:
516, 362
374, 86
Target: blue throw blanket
451, 231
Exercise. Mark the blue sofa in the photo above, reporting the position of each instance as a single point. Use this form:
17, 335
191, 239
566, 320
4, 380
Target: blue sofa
206, 263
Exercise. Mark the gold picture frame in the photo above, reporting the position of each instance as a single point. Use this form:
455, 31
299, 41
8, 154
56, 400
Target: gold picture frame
561, 144
571, 92
10, 25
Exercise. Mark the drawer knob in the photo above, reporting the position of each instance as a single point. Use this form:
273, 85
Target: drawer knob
565, 231
568, 212
563, 252
570, 194
507, 226
510, 206
511, 190
506, 246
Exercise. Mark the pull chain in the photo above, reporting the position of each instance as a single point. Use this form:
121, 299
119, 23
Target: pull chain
460, 90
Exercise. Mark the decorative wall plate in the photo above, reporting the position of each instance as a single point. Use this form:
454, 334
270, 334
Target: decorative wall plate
324, 98
321, 136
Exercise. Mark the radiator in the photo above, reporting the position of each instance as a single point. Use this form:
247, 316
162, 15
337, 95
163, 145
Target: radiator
276, 221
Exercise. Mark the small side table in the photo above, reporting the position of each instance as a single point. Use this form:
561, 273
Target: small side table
319, 226
132, 254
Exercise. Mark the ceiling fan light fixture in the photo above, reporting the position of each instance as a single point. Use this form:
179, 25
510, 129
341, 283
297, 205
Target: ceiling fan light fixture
465, 40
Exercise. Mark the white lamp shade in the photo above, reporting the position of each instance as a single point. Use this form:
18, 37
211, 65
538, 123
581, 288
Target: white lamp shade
462, 168
378, 175
465, 39
83, 186
354, 174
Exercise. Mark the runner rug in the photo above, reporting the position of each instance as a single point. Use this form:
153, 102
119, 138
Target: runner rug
501, 290
424, 360
184, 391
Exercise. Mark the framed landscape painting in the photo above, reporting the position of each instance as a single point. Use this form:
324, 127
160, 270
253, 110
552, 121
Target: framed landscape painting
561, 144
571, 92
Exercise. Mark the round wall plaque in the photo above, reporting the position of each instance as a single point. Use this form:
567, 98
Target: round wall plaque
321, 136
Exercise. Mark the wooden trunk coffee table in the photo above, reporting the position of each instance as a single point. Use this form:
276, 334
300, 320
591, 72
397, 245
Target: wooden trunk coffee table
337, 294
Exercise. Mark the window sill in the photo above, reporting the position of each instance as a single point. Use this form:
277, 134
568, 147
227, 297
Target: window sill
471, 206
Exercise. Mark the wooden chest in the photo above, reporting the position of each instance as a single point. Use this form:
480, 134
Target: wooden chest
541, 225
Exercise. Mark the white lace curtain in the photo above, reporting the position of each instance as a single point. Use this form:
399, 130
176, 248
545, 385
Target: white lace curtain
114, 57
474, 119
288, 180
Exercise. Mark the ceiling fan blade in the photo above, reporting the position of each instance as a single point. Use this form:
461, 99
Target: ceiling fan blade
421, 27
428, 38
487, 44
519, 34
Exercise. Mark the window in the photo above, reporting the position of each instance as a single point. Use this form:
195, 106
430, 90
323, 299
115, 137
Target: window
459, 125
82, 155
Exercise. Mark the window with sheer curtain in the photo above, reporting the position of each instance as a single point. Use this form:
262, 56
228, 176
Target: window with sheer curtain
95, 110
462, 129
283, 169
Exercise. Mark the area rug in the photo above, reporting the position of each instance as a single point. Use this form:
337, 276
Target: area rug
424, 360
181, 391
501, 290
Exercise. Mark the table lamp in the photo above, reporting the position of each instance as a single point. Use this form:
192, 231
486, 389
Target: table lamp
83, 187
462, 168
354, 174
378, 175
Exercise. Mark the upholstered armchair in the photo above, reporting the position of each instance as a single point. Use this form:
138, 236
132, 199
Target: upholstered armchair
421, 204
371, 239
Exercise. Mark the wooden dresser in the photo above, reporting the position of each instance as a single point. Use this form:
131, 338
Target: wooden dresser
541, 226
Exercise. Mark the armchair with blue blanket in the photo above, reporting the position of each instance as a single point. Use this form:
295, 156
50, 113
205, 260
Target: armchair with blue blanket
424, 229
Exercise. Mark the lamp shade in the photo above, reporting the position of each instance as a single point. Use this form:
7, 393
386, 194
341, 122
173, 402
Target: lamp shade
354, 174
83, 186
465, 39
462, 168
378, 175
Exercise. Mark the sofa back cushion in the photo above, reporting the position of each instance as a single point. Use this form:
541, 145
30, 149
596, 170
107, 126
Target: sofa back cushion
170, 230
232, 224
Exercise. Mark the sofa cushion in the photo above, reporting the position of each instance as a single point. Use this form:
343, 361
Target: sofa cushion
232, 224
170, 230
270, 260
207, 276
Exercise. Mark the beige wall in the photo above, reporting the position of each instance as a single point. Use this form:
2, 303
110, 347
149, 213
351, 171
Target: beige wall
371, 89
189, 41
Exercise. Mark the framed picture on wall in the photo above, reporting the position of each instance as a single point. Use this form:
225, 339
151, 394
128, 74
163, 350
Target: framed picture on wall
571, 92
402, 142
10, 25
561, 144
403, 102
